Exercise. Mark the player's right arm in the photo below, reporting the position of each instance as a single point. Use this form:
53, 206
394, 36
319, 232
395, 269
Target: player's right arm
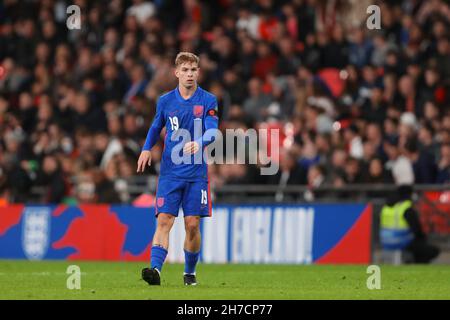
145, 158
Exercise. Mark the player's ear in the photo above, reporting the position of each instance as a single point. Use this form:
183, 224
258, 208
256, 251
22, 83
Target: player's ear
176, 72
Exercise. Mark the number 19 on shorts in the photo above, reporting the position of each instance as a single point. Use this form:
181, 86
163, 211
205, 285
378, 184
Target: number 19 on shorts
204, 199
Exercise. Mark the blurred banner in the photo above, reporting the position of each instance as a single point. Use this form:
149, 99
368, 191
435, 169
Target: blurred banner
236, 234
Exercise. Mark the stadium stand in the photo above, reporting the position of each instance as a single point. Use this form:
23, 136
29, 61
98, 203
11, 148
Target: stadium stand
355, 106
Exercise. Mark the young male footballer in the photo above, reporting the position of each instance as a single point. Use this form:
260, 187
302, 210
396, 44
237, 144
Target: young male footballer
185, 108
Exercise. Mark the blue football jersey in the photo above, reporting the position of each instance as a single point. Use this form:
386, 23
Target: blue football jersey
176, 113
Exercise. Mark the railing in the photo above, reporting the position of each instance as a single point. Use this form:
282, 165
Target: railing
251, 192
256, 188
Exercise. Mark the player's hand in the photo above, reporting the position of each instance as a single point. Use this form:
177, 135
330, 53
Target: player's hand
144, 159
191, 147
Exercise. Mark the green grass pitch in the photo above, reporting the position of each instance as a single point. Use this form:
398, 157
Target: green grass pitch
111, 280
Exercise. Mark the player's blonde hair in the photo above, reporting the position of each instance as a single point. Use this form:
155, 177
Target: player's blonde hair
186, 57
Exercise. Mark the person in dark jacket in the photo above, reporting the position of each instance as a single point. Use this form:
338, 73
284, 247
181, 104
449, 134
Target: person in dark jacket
290, 173
51, 177
424, 164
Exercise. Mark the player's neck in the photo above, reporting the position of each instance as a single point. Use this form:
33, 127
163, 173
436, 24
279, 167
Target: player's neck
186, 93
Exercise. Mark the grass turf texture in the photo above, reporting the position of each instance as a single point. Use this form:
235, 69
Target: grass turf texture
110, 280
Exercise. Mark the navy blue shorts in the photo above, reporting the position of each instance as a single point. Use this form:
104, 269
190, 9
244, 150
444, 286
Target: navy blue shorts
194, 197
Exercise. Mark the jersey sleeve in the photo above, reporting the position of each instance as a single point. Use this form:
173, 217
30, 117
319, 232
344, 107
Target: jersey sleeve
211, 122
212, 110
155, 128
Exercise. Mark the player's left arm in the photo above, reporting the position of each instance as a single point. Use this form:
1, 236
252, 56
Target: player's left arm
211, 122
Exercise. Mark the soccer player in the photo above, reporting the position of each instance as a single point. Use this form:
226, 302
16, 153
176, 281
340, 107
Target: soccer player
187, 183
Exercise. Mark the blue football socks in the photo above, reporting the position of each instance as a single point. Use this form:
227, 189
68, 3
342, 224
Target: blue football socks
158, 256
190, 261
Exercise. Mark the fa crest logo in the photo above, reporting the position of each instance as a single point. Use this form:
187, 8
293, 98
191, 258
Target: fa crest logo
198, 110
160, 201
36, 231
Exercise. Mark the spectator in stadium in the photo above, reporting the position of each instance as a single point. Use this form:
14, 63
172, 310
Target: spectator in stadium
257, 102
85, 187
52, 179
443, 175
91, 117
266, 58
290, 173
423, 163
315, 178
235, 88
375, 137
352, 171
354, 142
338, 159
399, 166
390, 132
138, 82
377, 173
360, 48
374, 109
427, 142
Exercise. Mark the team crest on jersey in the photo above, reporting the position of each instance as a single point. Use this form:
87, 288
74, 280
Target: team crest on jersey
198, 110
160, 201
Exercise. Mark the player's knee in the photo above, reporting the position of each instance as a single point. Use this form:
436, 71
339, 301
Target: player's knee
192, 228
165, 224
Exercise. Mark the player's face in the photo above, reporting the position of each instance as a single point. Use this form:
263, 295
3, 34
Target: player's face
187, 74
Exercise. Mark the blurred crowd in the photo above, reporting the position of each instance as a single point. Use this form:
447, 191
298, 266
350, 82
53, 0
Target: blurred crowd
353, 105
